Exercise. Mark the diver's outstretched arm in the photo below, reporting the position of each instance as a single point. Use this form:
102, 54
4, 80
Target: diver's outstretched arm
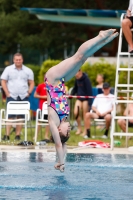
69, 67
56, 137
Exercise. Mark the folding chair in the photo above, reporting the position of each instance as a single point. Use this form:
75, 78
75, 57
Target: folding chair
100, 122
40, 118
15, 108
97, 122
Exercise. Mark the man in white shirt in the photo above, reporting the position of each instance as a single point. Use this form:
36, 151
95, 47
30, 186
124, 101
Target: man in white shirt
102, 108
17, 81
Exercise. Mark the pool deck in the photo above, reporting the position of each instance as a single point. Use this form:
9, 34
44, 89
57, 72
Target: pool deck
12, 148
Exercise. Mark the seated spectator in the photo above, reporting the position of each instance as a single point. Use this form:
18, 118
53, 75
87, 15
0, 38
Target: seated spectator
102, 108
127, 112
82, 87
99, 80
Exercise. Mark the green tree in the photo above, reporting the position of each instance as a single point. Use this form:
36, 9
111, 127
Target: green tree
20, 27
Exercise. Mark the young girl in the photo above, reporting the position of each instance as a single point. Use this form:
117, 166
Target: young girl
55, 77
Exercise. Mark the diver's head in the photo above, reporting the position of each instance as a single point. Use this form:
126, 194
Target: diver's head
64, 131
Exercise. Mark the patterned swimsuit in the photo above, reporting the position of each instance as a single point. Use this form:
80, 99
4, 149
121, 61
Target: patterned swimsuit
58, 100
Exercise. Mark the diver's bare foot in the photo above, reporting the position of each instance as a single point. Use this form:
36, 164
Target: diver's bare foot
106, 33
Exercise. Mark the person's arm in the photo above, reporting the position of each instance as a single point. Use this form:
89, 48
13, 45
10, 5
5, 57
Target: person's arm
56, 137
94, 108
88, 90
94, 105
36, 95
31, 86
4, 86
74, 90
128, 14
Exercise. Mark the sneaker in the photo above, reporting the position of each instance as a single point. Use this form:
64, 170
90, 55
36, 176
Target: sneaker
6, 137
104, 137
17, 137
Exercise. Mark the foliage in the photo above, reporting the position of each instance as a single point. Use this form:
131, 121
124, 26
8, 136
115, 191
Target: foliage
20, 27
36, 70
45, 67
100, 67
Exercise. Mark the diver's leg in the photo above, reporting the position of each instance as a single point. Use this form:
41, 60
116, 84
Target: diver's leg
69, 67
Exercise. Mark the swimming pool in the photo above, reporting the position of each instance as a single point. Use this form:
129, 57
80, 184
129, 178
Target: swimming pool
26, 175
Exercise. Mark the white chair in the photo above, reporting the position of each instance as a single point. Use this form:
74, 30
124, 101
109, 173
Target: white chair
15, 108
40, 118
98, 122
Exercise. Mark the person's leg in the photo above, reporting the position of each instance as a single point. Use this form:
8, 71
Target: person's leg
77, 112
108, 122
47, 132
20, 126
122, 124
85, 106
69, 67
8, 129
88, 117
18, 129
126, 28
8, 126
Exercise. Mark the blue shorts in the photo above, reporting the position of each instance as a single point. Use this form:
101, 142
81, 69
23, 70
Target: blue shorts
18, 99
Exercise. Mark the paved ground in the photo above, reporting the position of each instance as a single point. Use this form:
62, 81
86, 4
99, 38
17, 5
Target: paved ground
7, 148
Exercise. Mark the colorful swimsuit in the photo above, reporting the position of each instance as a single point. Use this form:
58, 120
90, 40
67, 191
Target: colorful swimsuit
58, 100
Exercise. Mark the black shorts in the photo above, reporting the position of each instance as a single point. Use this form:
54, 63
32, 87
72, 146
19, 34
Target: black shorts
131, 19
130, 124
103, 116
82, 99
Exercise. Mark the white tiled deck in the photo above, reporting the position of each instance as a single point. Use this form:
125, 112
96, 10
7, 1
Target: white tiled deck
9, 148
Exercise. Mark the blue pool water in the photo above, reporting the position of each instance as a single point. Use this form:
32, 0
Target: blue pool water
87, 176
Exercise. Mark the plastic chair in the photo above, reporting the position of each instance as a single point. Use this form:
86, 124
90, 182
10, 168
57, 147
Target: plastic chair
15, 108
98, 122
40, 118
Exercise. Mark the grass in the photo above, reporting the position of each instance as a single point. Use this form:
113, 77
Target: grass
73, 140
